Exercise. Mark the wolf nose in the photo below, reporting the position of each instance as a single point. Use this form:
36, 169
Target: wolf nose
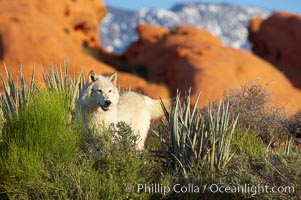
108, 102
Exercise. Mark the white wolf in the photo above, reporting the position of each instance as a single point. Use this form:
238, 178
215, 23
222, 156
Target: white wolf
101, 103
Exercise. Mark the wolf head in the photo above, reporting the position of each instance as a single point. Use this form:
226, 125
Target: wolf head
102, 91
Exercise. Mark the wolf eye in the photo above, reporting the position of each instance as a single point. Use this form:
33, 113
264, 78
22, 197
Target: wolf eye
110, 91
100, 91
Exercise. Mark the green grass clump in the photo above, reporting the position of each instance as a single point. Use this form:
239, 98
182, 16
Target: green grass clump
35, 141
244, 142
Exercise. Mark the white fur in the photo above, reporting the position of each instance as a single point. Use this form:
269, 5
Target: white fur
132, 108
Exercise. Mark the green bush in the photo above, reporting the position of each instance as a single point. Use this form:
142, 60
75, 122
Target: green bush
119, 165
245, 142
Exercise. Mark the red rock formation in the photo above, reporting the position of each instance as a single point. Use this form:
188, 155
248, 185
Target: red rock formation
187, 57
37, 33
277, 39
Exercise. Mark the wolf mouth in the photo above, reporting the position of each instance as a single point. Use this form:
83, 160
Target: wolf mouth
104, 108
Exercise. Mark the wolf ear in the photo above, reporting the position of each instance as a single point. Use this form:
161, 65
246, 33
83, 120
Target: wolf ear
92, 76
113, 78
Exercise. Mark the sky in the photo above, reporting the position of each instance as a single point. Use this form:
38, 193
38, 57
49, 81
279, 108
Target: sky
275, 5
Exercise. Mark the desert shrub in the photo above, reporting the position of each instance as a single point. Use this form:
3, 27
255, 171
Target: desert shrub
271, 170
253, 104
120, 167
152, 142
251, 176
294, 125
245, 142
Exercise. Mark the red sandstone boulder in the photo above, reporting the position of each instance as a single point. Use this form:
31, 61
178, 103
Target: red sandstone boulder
187, 57
40, 33
277, 40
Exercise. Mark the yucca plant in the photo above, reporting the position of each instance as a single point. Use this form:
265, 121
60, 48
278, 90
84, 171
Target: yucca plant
197, 139
220, 128
16, 94
60, 81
